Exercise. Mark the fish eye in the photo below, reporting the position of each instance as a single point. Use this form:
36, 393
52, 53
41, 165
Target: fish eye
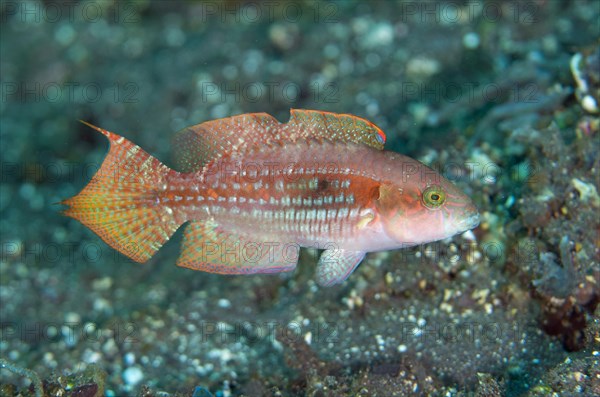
434, 197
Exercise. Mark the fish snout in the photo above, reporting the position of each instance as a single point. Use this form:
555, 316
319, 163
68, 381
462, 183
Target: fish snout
470, 219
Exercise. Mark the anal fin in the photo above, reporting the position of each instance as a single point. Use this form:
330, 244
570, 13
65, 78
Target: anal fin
209, 248
335, 265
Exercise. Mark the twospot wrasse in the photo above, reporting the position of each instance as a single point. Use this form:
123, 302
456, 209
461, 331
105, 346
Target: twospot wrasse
254, 190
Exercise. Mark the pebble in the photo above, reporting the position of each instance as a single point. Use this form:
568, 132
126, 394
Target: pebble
308, 338
283, 36
129, 358
133, 375
469, 235
65, 35
110, 348
471, 40
90, 357
224, 303
422, 67
380, 35
102, 284
587, 192
72, 318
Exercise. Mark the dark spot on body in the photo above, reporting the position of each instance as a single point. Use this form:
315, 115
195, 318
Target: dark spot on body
322, 185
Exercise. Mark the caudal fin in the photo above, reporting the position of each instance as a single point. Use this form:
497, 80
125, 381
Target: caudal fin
120, 204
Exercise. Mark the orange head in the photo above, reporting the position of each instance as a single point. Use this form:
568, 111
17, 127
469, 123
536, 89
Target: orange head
422, 206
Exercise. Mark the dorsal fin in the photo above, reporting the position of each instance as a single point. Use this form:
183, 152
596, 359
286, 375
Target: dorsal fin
334, 127
197, 145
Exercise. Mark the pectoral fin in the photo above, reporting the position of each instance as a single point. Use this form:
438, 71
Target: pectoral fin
335, 265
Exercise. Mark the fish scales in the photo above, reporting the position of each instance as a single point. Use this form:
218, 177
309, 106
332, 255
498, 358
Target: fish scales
308, 179
253, 190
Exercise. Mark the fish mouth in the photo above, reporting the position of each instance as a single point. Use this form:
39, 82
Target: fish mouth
470, 222
468, 219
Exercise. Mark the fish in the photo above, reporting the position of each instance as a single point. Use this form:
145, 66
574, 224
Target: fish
252, 191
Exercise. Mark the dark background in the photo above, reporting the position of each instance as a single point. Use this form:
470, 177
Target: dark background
481, 90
